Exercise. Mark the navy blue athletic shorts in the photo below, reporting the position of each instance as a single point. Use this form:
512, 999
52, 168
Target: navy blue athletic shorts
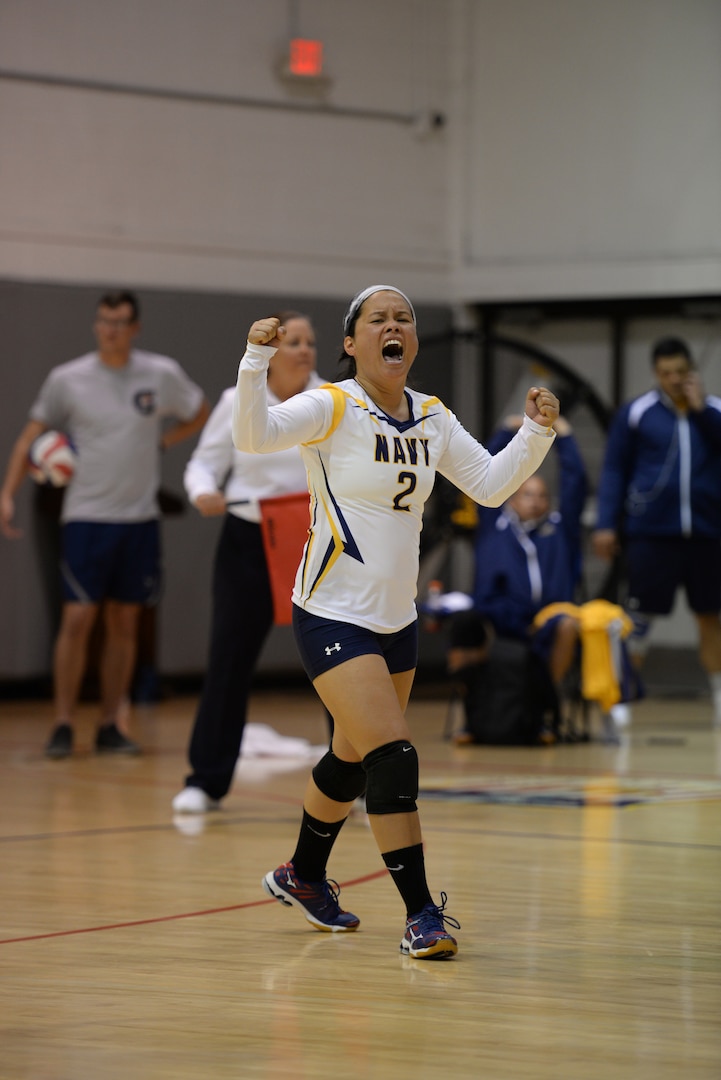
111, 561
658, 567
325, 643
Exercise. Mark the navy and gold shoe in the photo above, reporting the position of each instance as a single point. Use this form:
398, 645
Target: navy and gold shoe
318, 900
426, 937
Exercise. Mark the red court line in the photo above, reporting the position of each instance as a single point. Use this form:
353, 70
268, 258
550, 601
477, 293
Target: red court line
172, 918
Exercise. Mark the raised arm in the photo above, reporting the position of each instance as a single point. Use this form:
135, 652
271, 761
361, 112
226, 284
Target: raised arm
491, 478
258, 429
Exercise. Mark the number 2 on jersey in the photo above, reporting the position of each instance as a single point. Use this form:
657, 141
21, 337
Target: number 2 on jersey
409, 480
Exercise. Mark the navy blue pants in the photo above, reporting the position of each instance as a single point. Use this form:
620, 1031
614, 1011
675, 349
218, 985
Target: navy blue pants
241, 621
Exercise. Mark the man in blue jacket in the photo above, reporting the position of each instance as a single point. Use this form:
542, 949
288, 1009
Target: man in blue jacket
528, 555
660, 498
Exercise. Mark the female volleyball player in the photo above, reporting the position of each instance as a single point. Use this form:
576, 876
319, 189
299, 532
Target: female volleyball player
371, 448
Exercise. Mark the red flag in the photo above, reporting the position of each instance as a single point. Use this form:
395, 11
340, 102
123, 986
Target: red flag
284, 524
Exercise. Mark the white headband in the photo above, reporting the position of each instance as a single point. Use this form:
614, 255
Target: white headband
360, 299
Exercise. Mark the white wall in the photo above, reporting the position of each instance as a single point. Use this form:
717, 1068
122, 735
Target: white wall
581, 156
101, 186
591, 154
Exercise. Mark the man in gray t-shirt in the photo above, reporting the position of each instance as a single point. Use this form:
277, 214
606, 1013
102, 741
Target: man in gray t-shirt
112, 404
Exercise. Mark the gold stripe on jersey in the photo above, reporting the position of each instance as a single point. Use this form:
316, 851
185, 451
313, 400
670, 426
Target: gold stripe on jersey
338, 397
358, 402
431, 403
338, 549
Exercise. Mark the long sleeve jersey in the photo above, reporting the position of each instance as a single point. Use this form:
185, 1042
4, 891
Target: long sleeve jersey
661, 474
521, 567
369, 477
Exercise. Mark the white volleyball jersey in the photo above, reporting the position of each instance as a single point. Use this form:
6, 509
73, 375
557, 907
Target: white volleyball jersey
369, 477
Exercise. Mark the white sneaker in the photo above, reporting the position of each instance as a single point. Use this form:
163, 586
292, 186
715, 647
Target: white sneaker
193, 800
621, 715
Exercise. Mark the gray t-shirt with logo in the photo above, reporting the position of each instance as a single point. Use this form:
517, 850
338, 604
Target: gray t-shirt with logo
114, 416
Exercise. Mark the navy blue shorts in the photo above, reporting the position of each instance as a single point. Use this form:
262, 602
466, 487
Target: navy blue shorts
111, 561
325, 643
658, 567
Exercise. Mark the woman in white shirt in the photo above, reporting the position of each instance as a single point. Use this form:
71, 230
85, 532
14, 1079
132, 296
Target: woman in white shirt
222, 480
371, 448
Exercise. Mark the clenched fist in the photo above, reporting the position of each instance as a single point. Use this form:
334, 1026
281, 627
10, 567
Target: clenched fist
266, 332
542, 406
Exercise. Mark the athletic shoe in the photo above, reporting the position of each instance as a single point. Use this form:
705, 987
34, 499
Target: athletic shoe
60, 743
621, 715
109, 740
193, 800
318, 900
426, 937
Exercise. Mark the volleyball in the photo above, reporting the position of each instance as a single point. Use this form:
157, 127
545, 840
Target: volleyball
52, 458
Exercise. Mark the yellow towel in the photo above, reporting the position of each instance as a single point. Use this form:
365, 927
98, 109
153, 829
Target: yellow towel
602, 628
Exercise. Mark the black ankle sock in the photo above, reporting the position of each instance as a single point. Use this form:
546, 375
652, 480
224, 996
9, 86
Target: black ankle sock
315, 840
408, 870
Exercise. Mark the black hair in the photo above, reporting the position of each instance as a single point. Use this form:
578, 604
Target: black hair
346, 364
670, 346
123, 296
346, 367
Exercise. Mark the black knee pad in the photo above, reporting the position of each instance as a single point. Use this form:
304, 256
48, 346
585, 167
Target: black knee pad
342, 781
392, 772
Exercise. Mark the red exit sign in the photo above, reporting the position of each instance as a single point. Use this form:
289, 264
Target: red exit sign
306, 58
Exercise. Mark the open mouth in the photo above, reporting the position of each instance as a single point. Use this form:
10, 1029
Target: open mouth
393, 350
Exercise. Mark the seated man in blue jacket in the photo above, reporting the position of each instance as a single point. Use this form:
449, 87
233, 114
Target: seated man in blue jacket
527, 555
660, 498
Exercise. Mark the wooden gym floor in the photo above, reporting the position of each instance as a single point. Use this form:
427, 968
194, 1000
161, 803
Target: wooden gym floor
587, 879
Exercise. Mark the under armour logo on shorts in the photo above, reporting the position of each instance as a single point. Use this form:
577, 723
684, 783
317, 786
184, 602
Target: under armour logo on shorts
332, 648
